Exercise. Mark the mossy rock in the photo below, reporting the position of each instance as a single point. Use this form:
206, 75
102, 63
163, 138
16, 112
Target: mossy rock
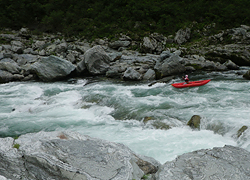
161, 125
196, 66
146, 119
247, 75
241, 131
194, 122
16, 146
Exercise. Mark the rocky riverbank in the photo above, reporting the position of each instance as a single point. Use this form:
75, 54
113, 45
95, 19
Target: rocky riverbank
69, 155
24, 56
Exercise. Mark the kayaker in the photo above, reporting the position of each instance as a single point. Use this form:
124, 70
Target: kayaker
186, 79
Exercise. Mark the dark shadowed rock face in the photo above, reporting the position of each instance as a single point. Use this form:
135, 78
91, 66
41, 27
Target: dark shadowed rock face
225, 163
247, 75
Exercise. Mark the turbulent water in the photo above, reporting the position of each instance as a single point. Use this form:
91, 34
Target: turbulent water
114, 110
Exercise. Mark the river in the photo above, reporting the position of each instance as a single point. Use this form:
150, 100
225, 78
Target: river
114, 110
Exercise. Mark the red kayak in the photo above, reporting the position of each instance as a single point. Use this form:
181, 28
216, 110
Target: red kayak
190, 84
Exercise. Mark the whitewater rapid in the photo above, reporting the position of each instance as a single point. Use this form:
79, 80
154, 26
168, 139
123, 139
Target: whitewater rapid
114, 110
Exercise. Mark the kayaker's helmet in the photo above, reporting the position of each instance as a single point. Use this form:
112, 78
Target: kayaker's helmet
186, 76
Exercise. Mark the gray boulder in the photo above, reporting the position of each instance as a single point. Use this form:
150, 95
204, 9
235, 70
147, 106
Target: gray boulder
10, 67
96, 60
200, 63
118, 44
52, 68
69, 155
170, 66
234, 52
6, 76
131, 74
231, 65
149, 75
17, 47
183, 35
149, 44
155, 43
224, 163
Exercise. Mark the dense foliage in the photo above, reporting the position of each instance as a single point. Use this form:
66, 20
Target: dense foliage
101, 18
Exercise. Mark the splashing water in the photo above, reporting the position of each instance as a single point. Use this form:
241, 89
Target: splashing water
115, 111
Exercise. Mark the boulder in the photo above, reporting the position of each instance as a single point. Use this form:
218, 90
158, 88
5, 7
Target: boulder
247, 75
11, 67
115, 56
131, 74
183, 35
17, 47
225, 163
170, 66
52, 68
202, 64
234, 52
194, 122
39, 45
149, 75
6, 76
3, 178
149, 44
231, 65
70, 155
155, 43
97, 61
241, 131
118, 44
114, 72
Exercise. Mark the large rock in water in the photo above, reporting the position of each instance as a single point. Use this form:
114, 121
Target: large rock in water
247, 75
96, 60
52, 68
69, 155
224, 163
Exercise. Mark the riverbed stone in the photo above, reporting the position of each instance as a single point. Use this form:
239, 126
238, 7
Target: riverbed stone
247, 75
182, 35
149, 75
52, 68
118, 44
70, 155
170, 66
96, 60
6, 76
194, 122
225, 163
132, 74
241, 131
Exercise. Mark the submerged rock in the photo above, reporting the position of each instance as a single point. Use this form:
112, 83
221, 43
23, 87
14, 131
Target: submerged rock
225, 163
69, 155
241, 131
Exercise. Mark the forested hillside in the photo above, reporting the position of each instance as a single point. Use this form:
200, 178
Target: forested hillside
101, 18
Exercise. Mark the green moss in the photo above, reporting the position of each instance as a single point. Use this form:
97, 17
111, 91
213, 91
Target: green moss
196, 66
194, 122
145, 176
241, 131
16, 146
